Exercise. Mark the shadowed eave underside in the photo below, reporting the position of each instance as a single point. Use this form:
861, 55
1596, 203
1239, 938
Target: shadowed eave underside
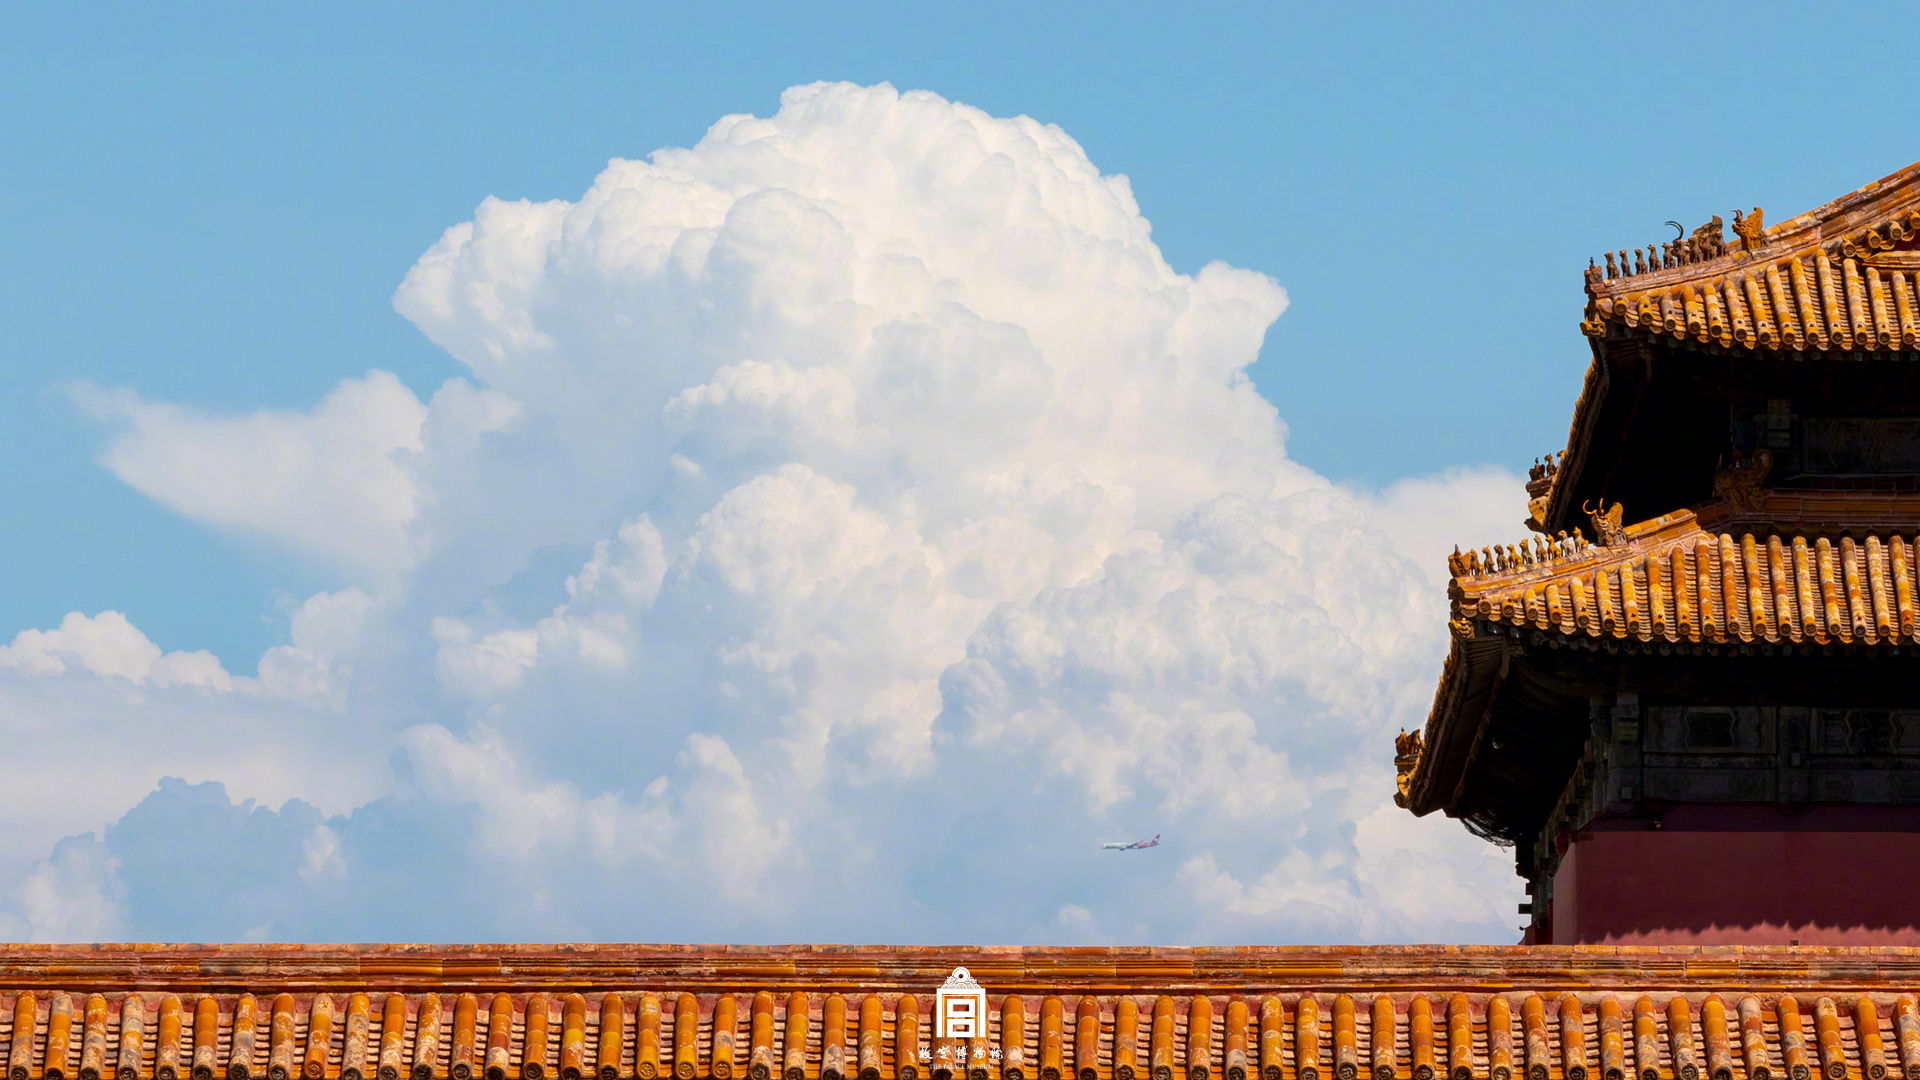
1783, 575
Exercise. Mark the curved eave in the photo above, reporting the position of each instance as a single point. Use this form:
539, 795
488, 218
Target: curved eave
1469, 681
1573, 461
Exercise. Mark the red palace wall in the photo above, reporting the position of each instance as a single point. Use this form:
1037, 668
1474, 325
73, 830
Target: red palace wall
1743, 875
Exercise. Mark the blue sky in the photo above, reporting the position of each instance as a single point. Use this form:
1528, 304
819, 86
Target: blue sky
214, 207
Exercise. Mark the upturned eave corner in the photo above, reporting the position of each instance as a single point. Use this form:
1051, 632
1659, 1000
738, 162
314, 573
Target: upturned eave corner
1406, 761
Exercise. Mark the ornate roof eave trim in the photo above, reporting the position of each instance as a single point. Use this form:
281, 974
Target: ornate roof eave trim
1839, 279
1785, 568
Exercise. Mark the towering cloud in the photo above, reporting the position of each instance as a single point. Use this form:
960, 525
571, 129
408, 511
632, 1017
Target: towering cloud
847, 522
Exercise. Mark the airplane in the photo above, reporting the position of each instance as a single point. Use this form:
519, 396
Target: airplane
1137, 845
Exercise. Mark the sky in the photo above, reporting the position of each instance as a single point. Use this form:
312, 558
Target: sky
804, 468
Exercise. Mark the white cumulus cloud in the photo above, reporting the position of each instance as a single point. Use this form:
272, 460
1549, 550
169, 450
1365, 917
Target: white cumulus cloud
847, 517
109, 645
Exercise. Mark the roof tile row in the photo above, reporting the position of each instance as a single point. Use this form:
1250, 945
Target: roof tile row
1692, 585
886, 1036
1801, 301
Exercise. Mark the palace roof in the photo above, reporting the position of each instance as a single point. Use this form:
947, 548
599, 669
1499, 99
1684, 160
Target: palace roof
1791, 570
1840, 283
153, 1012
1836, 279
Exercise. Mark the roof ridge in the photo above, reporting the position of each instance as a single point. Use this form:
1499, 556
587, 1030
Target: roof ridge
1690, 254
